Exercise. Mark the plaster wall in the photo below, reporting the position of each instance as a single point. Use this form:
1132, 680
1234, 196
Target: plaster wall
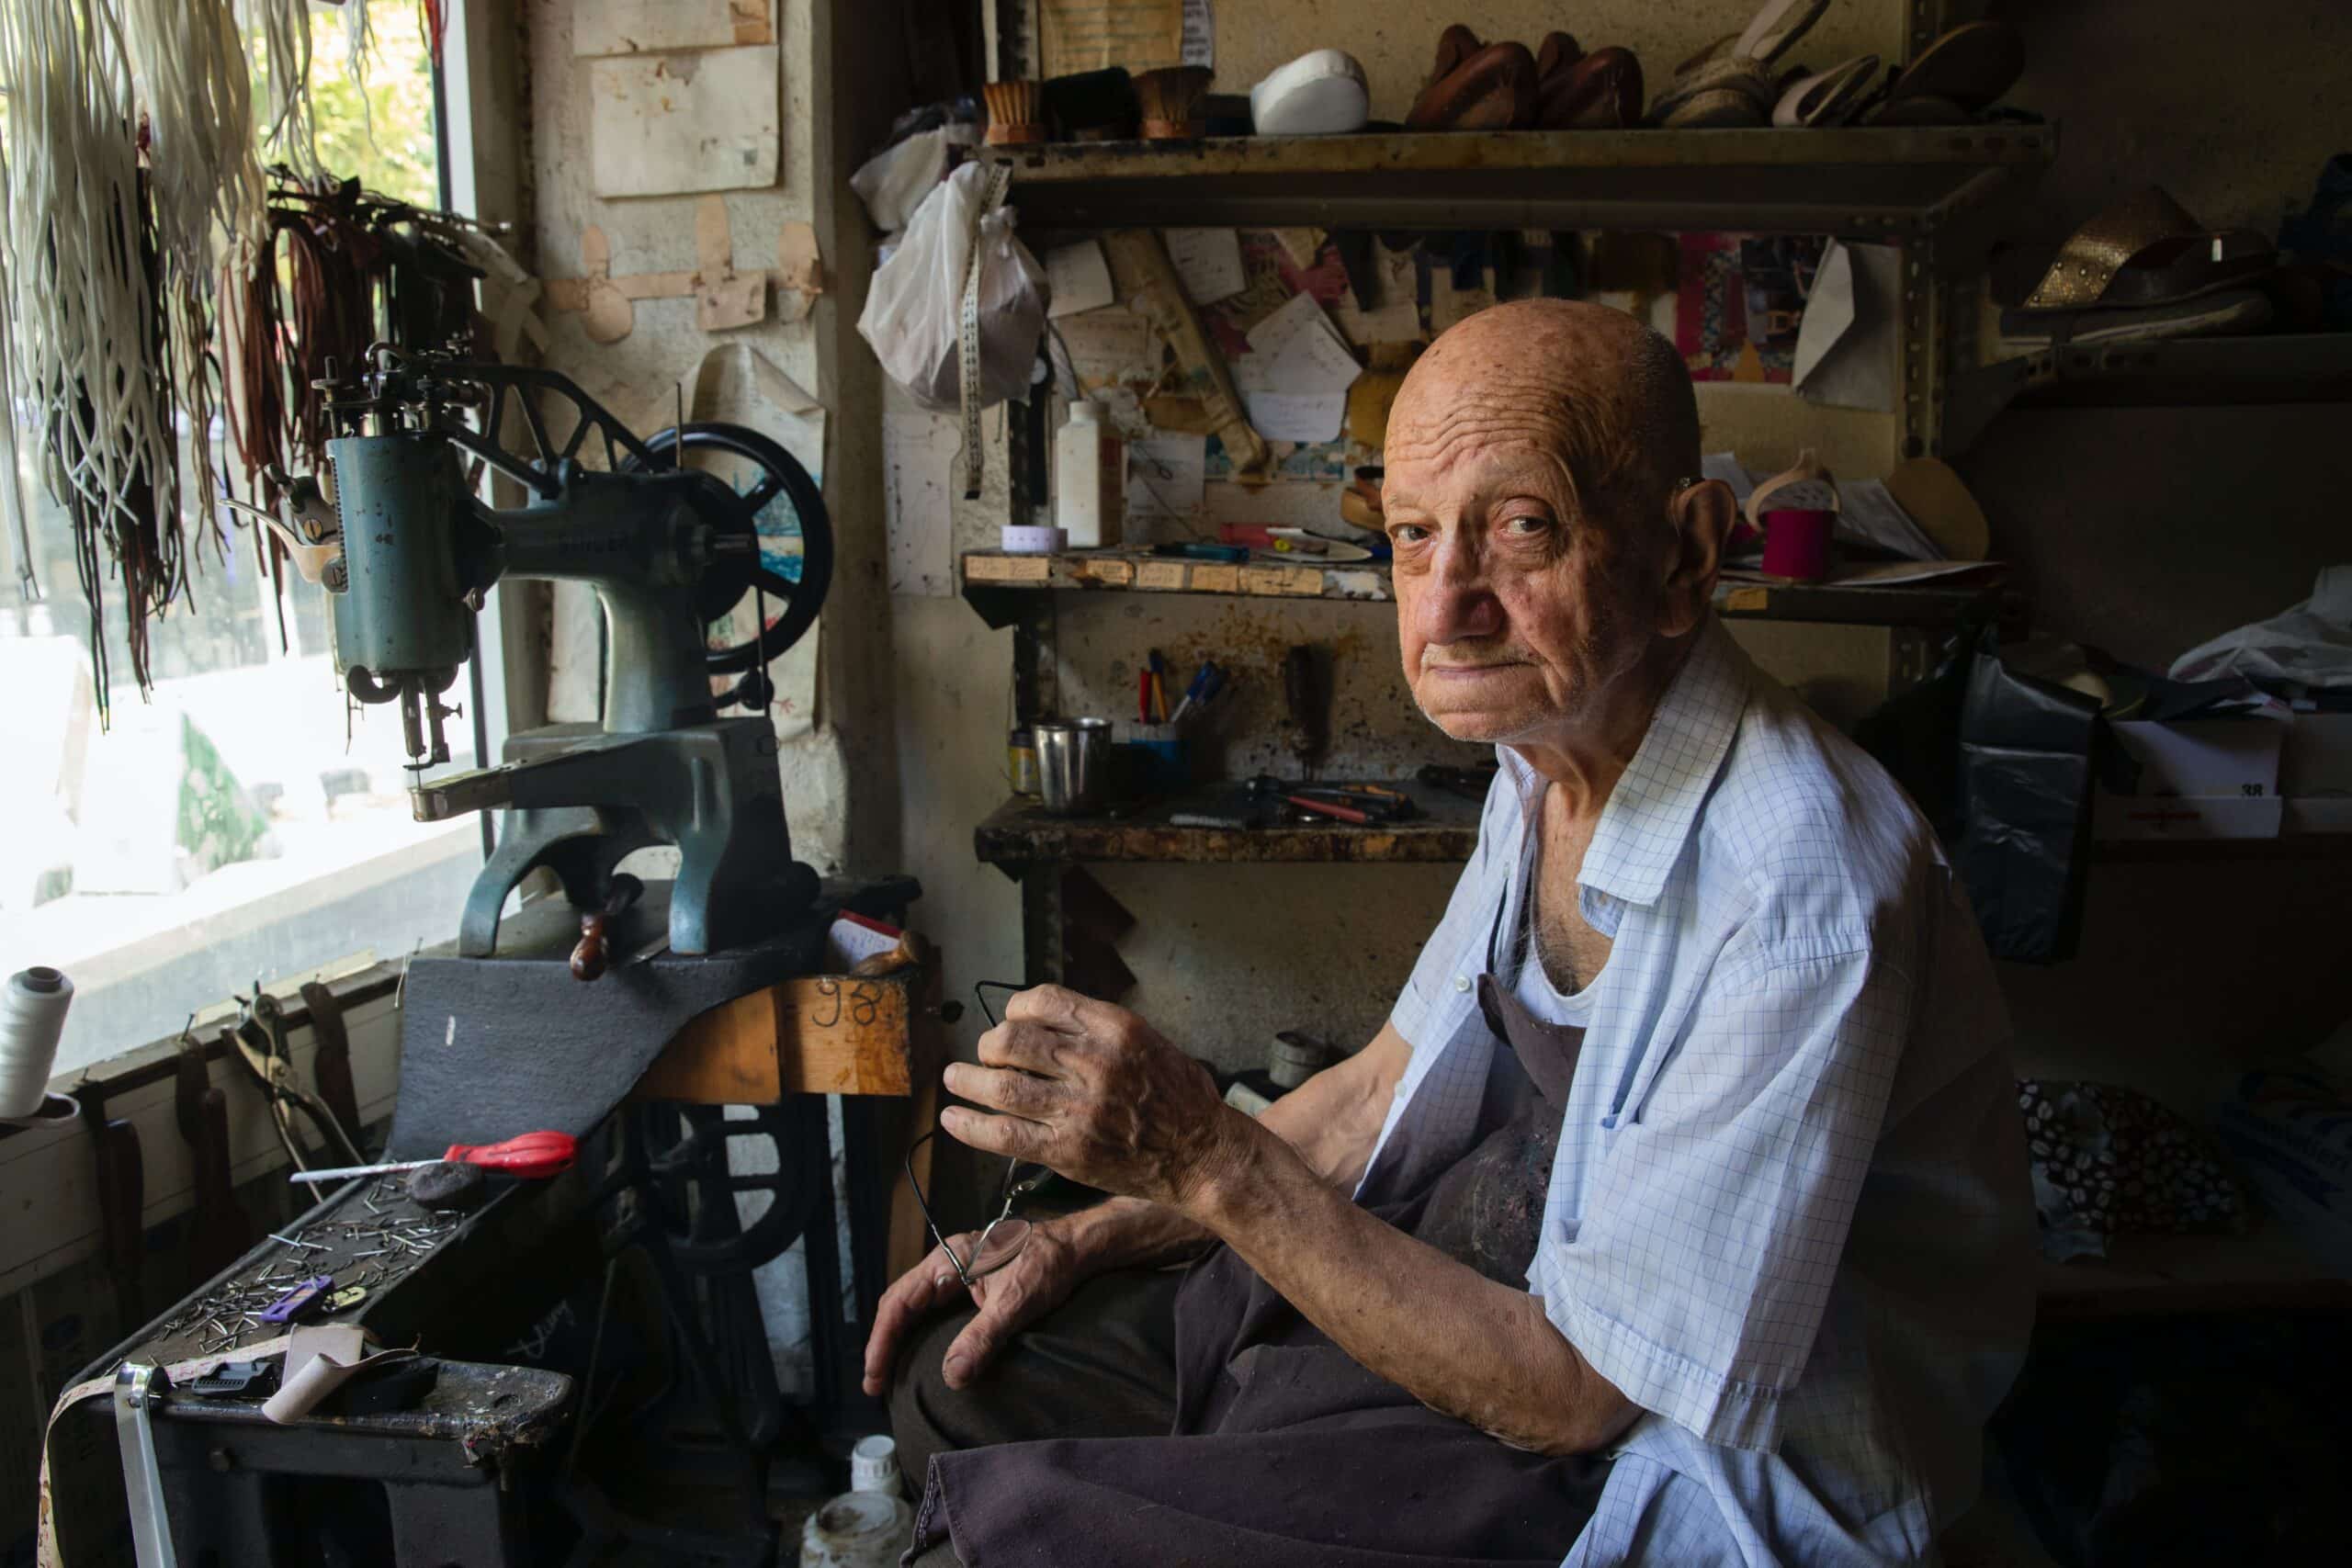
636, 377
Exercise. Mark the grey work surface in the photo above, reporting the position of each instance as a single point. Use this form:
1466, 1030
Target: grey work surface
491, 1047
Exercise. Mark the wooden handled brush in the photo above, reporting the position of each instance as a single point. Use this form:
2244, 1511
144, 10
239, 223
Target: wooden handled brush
1016, 112
1170, 98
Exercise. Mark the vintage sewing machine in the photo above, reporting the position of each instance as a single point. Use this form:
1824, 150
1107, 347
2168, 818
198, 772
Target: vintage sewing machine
627, 1012
668, 547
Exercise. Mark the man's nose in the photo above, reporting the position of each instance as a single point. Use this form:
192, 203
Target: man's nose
1457, 603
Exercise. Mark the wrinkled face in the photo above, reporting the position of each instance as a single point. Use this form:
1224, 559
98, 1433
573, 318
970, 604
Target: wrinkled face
1518, 608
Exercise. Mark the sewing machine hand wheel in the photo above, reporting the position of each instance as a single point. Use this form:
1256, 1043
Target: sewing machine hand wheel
694, 1185
778, 474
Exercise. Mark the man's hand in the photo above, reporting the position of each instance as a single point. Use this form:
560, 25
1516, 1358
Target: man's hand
1100, 1096
1039, 1279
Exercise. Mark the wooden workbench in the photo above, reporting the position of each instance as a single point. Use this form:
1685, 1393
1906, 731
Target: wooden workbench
862, 1034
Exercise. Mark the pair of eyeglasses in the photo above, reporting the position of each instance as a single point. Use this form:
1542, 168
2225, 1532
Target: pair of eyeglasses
1001, 1239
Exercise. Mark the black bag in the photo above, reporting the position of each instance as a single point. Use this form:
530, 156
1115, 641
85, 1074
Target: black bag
2001, 765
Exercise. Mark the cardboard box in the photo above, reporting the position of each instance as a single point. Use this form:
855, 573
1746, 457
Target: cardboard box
2208, 778
2205, 756
2186, 816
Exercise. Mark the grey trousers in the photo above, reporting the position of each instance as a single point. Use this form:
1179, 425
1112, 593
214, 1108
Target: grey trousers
1100, 1365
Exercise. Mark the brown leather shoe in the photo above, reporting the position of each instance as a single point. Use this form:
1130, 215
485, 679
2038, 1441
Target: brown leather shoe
1476, 87
1601, 91
1555, 54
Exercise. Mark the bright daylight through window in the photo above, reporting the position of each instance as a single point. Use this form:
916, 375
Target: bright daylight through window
233, 824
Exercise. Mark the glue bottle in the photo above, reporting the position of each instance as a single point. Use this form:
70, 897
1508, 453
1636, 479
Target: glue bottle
1090, 479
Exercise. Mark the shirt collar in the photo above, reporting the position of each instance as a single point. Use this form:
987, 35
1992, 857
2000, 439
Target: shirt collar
1655, 805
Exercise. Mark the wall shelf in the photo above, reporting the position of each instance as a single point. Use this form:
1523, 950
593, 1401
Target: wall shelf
2144, 1274
2290, 368
1001, 585
2285, 367
1860, 183
2309, 848
1021, 833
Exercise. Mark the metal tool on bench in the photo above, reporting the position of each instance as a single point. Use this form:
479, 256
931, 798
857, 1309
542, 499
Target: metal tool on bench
258, 1040
1363, 805
668, 547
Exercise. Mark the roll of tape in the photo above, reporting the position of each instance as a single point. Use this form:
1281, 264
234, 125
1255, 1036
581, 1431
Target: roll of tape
1026, 540
32, 1020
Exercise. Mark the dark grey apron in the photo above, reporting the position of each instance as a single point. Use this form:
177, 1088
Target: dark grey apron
1313, 1461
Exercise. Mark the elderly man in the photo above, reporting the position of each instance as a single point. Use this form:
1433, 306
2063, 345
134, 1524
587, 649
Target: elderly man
1679, 1214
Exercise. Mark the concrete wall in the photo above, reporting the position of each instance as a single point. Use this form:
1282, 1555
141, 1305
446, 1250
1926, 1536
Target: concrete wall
830, 99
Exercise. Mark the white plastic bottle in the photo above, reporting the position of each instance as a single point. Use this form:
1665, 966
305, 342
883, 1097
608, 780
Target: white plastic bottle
869, 1526
1090, 479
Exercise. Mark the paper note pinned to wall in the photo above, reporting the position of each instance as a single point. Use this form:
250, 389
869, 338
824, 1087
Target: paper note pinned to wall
1297, 373
1200, 33
1079, 277
1208, 260
1846, 344
1093, 35
918, 463
1301, 351
1167, 477
667, 124
646, 26
1110, 344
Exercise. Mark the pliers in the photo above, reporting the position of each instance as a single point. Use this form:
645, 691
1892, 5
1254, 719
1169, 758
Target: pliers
258, 1038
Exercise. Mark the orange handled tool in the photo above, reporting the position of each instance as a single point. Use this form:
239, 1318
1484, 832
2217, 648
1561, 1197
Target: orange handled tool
531, 1155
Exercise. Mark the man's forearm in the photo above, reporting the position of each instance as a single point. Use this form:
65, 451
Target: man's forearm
1459, 1342
1331, 1121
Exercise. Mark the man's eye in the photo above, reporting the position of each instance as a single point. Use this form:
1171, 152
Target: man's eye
1408, 533
1527, 525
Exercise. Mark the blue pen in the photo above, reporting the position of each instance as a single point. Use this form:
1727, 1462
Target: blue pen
1206, 682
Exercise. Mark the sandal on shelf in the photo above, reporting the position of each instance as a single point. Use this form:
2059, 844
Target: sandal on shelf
2145, 269
1475, 86
1826, 98
1730, 82
1575, 91
1955, 79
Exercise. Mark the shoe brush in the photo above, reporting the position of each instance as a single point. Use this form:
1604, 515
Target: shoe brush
1016, 112
1170, 98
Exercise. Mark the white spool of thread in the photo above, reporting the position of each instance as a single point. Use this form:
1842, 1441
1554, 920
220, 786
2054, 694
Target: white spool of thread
874, 1465
33, 1018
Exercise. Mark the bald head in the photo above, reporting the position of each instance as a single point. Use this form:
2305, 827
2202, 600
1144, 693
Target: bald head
1548, 566
1609, 396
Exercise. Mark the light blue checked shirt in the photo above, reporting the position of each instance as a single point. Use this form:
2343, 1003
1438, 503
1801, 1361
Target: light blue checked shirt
1789, 1216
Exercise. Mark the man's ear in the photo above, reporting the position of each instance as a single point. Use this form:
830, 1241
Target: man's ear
1700, 518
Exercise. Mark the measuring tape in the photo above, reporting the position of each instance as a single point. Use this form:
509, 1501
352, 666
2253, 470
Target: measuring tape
967, 336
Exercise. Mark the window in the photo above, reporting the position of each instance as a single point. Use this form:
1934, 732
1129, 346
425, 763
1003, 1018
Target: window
237, 824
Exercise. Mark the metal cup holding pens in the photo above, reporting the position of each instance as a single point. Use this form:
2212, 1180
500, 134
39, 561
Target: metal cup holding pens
1073, 763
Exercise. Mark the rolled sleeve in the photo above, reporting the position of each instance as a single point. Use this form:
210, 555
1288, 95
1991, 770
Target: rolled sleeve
1724, 1192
